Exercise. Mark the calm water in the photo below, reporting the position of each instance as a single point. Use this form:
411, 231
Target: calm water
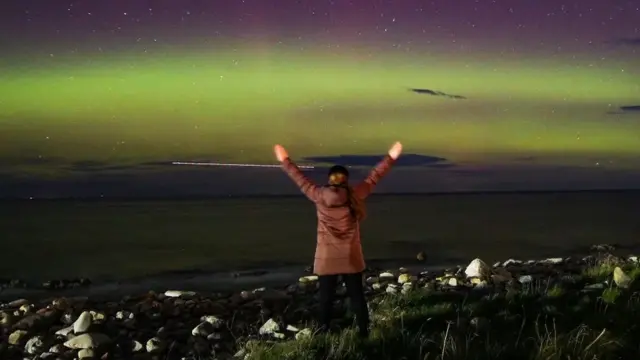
120, 239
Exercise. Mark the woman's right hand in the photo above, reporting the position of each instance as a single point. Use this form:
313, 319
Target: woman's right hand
395, 150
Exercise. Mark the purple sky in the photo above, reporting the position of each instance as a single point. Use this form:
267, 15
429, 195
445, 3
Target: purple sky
510, 26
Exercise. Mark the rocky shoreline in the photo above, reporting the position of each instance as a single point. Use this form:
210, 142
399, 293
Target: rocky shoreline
184, 324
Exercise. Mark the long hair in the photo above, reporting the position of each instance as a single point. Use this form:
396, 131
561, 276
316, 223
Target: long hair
356, 205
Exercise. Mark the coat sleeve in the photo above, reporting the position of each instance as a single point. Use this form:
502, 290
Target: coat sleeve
365, 188
308, 188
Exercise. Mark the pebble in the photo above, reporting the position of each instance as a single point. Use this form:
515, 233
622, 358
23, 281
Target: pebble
150, 323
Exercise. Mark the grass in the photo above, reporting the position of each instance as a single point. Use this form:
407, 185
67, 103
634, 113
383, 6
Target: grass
538, 321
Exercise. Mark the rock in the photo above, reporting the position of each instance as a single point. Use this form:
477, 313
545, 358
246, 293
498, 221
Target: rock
406, 288
602, 248
86, 354
136, 346
124, 315
422, 256
97, 317
179, 294
404, 278
37, 321
292, 328
214, 336
304, 334
87, 341
154, 345
478, 268
621, 279
501, 275
269, 327
308, 279
35, 345
213, 320
64, 332
452, 282
17, 337
202, 329
392, 289
15, 304
61, 304
554, 261
6, 319
26, 308
57, 349
386, 276
512, 262
83, 323
633, 259
525, 279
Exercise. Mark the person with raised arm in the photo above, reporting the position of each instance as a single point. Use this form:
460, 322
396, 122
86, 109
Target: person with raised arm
340, 210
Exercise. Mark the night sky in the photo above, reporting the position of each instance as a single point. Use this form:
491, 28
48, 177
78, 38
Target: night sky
99, 97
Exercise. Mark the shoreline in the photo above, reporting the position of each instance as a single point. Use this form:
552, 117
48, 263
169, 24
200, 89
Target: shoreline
229, 281
194, 280
180, 320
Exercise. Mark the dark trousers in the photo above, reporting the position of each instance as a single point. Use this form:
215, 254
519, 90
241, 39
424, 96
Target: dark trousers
355, 291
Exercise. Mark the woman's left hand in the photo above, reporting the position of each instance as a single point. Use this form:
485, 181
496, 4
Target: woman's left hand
281, 153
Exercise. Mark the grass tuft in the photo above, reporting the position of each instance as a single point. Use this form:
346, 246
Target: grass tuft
536, 321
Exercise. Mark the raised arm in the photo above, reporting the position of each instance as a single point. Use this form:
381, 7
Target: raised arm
308, 188
365, 188
311, 190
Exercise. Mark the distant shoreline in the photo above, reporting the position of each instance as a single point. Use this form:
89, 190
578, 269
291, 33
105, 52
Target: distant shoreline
289, 195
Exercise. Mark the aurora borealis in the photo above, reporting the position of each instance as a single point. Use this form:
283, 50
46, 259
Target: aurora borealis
104, 88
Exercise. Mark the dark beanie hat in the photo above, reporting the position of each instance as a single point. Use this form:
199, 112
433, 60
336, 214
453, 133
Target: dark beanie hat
339, 169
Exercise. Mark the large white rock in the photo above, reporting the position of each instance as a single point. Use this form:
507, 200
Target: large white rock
35, 345
304, 334
202, 329
386, 276
65, 331
17, 337
478, 268
621, 279
154, 345
213, 320
269, 328
179, 293
86, 354
87, 341
83, 323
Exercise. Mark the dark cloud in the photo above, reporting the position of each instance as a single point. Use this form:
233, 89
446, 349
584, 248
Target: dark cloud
435, 93
625, 110
372, 160
633, 41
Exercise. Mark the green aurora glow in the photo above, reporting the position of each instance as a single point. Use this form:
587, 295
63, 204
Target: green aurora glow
235, 106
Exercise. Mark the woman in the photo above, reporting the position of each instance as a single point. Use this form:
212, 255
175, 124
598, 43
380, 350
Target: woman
340, 209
